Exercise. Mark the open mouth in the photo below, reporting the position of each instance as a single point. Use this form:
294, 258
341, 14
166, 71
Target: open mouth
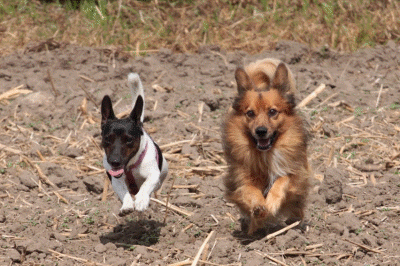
266, 143
116, 172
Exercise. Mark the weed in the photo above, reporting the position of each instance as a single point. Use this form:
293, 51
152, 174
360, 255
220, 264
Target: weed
33, 222
313, 112
232, 226
394, 106
358, 111
22, 164
89, 220
197, 234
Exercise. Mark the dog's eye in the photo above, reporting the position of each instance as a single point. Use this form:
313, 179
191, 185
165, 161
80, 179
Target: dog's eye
250, 114
129, 140
272, 112
107, 140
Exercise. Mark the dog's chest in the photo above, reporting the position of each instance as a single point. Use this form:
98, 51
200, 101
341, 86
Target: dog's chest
134, 180
277, 167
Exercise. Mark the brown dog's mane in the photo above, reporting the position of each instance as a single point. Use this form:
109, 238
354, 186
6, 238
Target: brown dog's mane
240, 150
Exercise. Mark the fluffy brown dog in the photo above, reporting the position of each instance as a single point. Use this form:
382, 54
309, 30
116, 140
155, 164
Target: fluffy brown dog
265, 147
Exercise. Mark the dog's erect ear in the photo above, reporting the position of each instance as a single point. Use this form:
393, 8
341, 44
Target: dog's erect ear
107, 112
137, 110
281, 82
243, 81
281, 79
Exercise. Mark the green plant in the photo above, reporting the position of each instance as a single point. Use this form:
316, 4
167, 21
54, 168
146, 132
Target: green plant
33, 222
358, 111
232, 226
89, 220
394, 106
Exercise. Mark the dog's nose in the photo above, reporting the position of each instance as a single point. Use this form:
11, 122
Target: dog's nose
261, 131
115, 163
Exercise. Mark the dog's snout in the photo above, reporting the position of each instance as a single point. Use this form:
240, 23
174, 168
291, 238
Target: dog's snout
261, 131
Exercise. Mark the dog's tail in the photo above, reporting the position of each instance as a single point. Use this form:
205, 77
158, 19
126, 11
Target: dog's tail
136, 86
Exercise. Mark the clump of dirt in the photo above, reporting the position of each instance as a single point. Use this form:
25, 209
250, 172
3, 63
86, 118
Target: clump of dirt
52, 178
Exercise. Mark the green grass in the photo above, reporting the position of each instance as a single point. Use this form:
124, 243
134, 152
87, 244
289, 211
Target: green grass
183, 25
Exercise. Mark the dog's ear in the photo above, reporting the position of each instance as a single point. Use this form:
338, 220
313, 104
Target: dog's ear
281, 82
107, 112
243, 81
281, 79
137, 110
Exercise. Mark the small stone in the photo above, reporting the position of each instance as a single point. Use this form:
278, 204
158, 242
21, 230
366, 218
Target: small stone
14, 255
100, 248
140, 250
2, 218
93, 184
110, 246
26, 178
332, 187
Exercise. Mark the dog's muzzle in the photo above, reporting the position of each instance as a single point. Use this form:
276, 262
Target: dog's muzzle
265, 143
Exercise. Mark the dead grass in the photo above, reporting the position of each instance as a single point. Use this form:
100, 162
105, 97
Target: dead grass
184, 25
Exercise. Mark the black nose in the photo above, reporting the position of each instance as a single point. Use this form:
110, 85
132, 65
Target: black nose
115, 163
261, 131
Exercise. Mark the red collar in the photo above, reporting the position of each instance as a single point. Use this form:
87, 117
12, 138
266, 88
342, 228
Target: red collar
130, 178
140, 159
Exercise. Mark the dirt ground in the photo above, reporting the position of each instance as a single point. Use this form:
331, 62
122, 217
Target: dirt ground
51, 175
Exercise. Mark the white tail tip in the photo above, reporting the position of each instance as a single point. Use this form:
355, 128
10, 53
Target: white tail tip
134, 79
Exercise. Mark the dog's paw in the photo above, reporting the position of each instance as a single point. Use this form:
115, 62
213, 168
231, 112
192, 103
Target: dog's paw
125, 211
259, 212
142, 202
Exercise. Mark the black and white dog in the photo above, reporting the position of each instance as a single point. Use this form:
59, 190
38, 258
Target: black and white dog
133, 161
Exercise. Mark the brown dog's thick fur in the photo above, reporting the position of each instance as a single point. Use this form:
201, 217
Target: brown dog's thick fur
265, 146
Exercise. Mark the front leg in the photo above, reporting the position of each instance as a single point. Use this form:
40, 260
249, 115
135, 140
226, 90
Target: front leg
142, 198
251, 202
277, 195
120, 187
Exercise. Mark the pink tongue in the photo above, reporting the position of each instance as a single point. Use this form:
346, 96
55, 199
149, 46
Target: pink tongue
116, 173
